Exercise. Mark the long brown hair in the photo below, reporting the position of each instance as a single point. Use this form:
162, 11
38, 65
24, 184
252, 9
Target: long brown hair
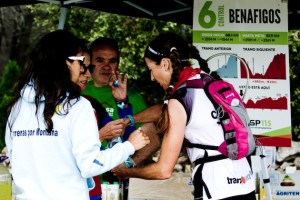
47, 71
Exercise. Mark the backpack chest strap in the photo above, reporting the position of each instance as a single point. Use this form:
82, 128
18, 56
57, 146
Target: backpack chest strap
188, 144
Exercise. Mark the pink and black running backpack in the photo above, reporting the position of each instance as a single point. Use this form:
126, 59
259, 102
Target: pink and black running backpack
239, 141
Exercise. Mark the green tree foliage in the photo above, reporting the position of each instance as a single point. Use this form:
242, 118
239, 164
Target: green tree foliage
7, 80
132, 34
294, 54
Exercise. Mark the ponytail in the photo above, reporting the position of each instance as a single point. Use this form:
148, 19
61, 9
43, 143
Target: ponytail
203, 63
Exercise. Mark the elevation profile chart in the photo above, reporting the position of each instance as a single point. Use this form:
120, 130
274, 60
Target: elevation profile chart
276, 69
280, 103
229, 68
225, 64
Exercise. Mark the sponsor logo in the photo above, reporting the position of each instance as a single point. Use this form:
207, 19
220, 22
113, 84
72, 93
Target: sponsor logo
287, 193
262, 123
241, 180
110, 111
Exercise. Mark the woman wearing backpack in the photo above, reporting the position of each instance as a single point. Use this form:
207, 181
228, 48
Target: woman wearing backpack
186, 115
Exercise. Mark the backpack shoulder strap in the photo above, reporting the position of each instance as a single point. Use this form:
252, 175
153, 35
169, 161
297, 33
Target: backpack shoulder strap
180, 93
199, 83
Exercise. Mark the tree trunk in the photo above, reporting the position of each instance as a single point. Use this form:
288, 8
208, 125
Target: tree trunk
15, 28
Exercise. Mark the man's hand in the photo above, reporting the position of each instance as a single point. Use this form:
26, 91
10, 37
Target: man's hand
120, 171
119, 90
112, 129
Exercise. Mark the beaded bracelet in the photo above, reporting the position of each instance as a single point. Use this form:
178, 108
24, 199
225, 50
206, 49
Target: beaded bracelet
121, 104
132, 122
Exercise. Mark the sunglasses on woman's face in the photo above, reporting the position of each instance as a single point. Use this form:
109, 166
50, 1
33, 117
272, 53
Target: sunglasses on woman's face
79, 58
90, 67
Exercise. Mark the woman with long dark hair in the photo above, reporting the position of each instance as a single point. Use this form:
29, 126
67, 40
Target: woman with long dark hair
51, 133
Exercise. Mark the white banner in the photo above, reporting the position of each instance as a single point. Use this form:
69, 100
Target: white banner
247, 43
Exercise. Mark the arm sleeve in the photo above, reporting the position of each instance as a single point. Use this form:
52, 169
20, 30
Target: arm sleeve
125, 111
105, 120
86, 145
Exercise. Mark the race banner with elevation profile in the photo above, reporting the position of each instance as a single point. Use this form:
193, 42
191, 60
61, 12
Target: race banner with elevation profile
247, 43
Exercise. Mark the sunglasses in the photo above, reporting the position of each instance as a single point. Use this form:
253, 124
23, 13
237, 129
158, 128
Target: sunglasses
79, 58
90, 67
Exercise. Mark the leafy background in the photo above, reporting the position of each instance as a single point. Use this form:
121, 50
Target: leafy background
21, 26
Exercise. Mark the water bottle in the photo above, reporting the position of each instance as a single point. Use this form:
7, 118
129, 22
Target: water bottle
113, 192
5, 183
114, 141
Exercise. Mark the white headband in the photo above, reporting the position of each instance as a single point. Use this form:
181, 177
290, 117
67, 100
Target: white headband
172, 49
